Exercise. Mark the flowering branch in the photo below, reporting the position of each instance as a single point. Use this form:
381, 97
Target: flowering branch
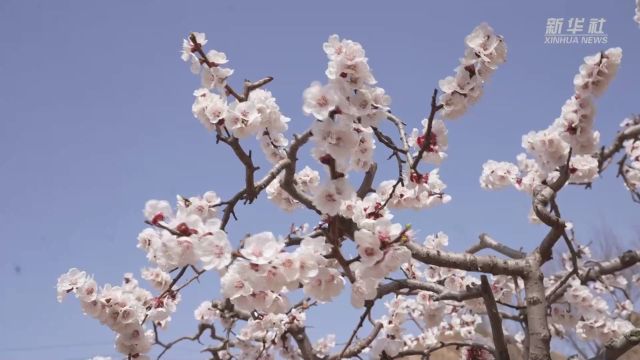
196, 337
355, 243
435, 107
288, 182
629, 133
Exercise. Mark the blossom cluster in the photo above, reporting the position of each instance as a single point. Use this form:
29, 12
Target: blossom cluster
263, 273
418, 191
190, 236
307, 182
573, 129
435, 146
260, 335
438, 320
121, 308
592, 310
347, 111
631, 167
380, 252
586, 308
258, 115
345, 108
263, 332
637, 16
270, 329
378, 242
485, 51
349, 108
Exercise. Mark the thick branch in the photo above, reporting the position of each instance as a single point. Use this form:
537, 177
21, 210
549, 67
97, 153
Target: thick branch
304, 344
367, 181
626, 260
502, 353
543, 195
467, 262
395, 286
538, 331
486, 242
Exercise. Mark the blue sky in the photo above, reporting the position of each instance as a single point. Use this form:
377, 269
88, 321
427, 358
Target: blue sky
95, 119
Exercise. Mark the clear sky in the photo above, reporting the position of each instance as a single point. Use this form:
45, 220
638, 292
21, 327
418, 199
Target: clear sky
95, 119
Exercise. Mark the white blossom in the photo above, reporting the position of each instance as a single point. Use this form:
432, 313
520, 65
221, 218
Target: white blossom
206, 313
330, 195
485, 51
70, 281
326, 285
261, 248
583, 169
597, 71
497, 175
437, 144
319, 100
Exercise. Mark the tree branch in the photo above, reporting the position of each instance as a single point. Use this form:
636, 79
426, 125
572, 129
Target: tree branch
468, 262
304, 344
486, 242
367, 311
288, 181
539, 336
394, 286
502, 353
367, 181
427, 133
357, 348
632, 132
